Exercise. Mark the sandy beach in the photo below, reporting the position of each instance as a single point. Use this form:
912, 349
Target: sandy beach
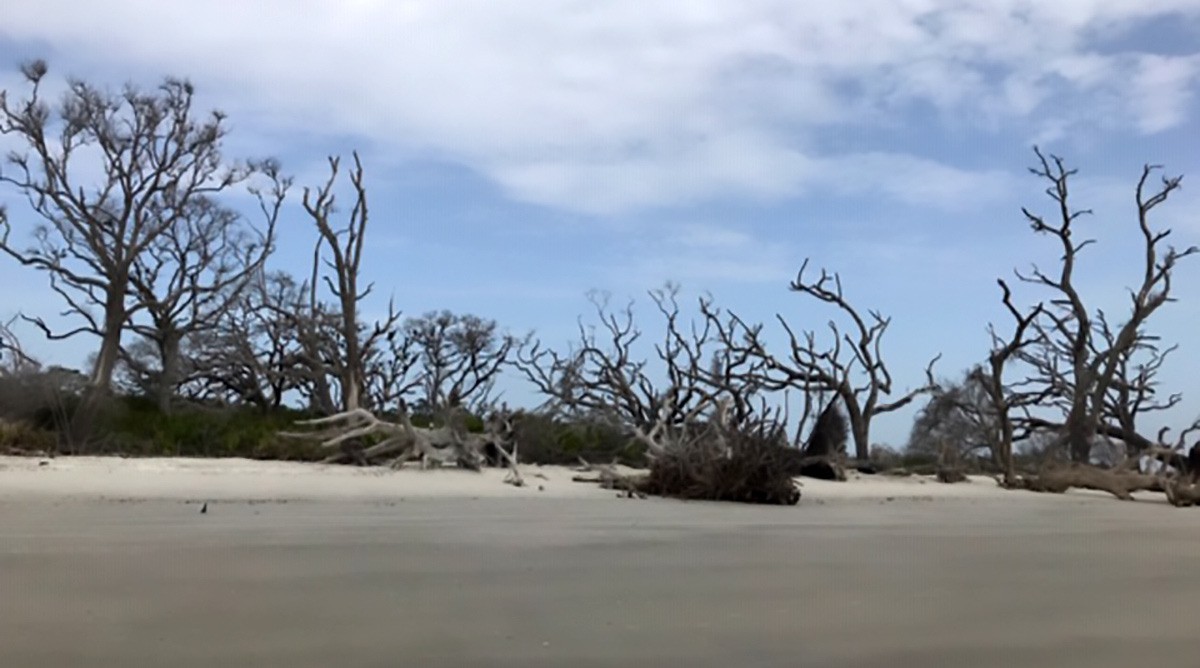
110, 562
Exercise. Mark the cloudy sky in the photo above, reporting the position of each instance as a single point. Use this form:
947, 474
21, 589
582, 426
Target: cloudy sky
520, 153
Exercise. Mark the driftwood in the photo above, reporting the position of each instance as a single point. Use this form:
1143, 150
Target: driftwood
608, 478
743, 462
1178, 478
1119, 482
1182, 492
404, 442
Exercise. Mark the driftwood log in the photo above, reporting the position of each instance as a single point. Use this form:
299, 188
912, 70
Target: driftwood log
1121, 483
1178, 478
402, 442
608, 477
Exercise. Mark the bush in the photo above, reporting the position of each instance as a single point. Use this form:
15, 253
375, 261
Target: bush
135, 427
18, 437
553, 441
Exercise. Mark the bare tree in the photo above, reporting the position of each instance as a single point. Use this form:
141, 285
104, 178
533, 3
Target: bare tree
393, 370
958, 416
458, 358
606, 376
861, 382
1004, 398
193, 274
345, 245
256, 353
14, 361
157, 157
1080, 361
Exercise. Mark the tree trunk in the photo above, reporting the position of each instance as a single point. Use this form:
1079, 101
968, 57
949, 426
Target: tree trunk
110, 342
1080, 432
168, 379
351, 384
860, 428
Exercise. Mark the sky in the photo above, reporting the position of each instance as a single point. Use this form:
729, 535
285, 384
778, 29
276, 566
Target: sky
521, 153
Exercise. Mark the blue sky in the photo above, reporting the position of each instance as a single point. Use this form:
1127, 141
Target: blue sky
521, 153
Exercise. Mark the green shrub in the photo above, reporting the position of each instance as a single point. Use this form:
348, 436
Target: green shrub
21, 436
136, 427
552, 441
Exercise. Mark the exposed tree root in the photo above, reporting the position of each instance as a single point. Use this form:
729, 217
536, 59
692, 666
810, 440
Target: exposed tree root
404, 443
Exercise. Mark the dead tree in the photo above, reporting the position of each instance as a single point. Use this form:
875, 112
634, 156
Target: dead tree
813, 369
349, 366
192, 275
1079, 360
254, 354
457, 359
402, 442
609, 379
693, 417
392, 367
14, 361
957, 413
1004, 398
605, 379
710, 458
156, 158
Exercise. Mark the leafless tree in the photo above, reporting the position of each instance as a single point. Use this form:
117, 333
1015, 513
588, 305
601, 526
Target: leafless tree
861, 381
1004, 398
457, 357
345, 246
1080, 362
14, 361
606, 376
261, 349
958, 416
393, 370
157, 158
190, 277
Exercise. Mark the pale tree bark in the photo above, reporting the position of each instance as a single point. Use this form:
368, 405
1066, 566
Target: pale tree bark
345, 246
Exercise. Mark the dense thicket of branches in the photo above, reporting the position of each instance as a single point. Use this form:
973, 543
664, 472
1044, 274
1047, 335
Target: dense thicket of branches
151, 256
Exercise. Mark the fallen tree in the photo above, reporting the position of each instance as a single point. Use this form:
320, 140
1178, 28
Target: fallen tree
1120, 482
719, 459
403, 442
1178, 476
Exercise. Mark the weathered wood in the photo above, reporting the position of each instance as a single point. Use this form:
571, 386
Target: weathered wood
405, 442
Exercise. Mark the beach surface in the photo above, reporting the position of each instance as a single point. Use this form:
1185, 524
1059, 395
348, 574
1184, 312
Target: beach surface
109, 561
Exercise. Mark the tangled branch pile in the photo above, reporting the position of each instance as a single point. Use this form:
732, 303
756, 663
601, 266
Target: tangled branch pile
402, 442
746, 465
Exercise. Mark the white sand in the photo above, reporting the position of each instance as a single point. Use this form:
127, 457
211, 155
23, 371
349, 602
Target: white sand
242, 479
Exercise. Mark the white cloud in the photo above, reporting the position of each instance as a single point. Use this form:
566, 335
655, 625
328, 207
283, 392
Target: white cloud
702, 254
1163, 89
636, 103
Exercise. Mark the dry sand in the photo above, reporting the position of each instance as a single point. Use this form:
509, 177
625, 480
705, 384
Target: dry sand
108, 562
